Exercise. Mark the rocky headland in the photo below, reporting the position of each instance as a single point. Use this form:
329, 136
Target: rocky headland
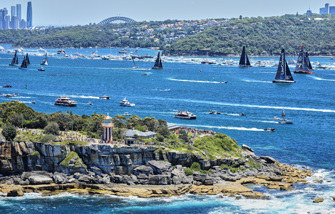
143, 171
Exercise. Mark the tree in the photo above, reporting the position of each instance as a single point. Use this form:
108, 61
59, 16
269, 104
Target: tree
164, 131
52, 128
183, 136
9, 132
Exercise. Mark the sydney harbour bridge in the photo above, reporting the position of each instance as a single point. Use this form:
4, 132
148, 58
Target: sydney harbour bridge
116, 19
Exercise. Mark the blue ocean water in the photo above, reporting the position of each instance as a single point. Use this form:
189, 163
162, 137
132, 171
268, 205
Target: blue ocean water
309, 103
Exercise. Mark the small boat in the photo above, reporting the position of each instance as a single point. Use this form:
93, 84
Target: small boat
244, 60
9, 95
224, 82
126, 114
45, 60
41, 69
89, 103
65, 101
15, 60
332, 58
33, 102
242, 114
269, 129
158, 63
7, 86
319, 66
185, 115
302, 66
144, 74
105, 58
126, 103
105, 97
214, 112
61, 51
285, 121
283, 72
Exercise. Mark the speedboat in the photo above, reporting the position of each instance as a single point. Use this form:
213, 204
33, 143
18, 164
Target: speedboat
126, 103
105, 97
144, 74
269, 129
65, 101
126, 114
185, 115
61, 51
285, 121
7, 86
9, 95
214, 112
33, 102
223, 82
242, 114
41, 69
89, 103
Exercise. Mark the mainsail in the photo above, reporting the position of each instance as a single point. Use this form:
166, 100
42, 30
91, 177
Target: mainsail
309, 62
283, 72
158, 62
244, 60
27, 59
24, 63
15, 60
302, 66
45, 60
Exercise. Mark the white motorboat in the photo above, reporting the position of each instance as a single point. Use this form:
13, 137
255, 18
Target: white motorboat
126, 103
185, 115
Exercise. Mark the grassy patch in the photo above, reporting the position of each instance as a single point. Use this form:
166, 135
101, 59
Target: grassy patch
36, 153
73, 157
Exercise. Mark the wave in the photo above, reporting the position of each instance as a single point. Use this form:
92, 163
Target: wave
224, 127
256, 81
194, 81
83, 97
321, 79
164, 90
263, 121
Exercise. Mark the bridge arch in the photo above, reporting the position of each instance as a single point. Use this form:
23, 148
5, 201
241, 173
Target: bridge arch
116, 18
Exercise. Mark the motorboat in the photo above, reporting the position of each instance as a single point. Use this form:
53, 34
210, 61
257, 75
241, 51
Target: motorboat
126, 103
214, 112
61, 51
89, 103
105, 97
65, 101
285, 121
126, 114
7, 86
223, 82
41, 69
144, 74
269, 129
185, 115
9, 95
242, 114
33, 102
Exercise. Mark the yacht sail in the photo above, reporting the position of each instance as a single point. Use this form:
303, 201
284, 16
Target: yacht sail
135, 66
283, 72
15, 60
27, 59
45, 60
244, 60
24, 63
309, 64
302, 64
158, 62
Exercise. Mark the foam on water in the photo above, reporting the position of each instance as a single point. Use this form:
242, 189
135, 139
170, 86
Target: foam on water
256, 81
322, 79
225, 127
194, 81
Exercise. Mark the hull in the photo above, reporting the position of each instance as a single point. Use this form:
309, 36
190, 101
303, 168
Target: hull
244, 66
283, 81
303, 72
156, 68
66, 104
185, 117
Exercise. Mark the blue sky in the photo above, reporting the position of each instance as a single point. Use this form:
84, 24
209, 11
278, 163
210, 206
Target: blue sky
74, 12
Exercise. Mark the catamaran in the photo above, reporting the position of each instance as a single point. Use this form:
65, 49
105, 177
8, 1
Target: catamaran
302, 66
283, 72
244, 60
45, 60
158, 62
15, 60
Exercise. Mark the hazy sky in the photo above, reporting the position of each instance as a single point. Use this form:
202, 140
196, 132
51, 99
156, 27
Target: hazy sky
74, 12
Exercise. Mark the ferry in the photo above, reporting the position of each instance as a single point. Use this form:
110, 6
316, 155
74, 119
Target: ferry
65, 101
185, 115
126, 103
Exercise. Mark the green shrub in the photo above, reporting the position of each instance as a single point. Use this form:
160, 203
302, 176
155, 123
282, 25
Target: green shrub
52, 128
196, 166
184, 136
36, 153
48, 138
188, 171
159, 137
9, 132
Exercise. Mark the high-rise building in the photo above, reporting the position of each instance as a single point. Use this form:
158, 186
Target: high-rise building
12, 11
1, 19
23, 24
18, 11
324, 10
7, 22
332, 10
15, 22
29, 15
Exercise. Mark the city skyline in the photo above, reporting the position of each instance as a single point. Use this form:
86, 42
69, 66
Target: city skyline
62, 13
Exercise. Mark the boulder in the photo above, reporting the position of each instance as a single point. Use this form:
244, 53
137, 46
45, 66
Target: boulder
208, 181
6, 167
142, 179
96, 170
60, 178
130, 180
318, 200
84, 178
116, 179
15, 193
147, 170
247, 148
160, 167
268, 159
159, 180
39, 179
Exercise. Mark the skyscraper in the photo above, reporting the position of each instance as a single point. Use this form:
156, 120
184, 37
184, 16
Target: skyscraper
18, 11
29, 15
12, 14
324, 10
1, 19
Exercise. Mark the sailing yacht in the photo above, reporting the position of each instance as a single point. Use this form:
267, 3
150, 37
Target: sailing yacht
244, 60
283, 72
15, 60
27, 59
158, 62
302, 66
45, 60
24, 63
